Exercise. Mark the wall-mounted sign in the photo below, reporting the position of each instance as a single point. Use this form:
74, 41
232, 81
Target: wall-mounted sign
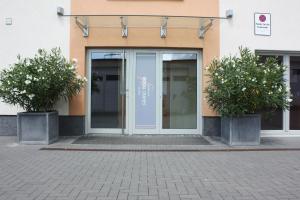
262, 24
8, 21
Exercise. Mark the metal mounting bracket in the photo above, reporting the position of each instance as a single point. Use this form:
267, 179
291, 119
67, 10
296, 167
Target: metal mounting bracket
204, 28
124, 25
163, 28
83, 25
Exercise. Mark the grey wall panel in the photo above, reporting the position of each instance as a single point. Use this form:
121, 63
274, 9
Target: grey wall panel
8, 125
212, 126
68, 125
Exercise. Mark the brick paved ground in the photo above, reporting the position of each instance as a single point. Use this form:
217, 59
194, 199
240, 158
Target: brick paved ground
27, 173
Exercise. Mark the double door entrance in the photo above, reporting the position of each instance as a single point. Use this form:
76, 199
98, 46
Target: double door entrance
144, 92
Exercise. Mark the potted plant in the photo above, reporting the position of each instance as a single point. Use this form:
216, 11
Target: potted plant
36, 84
239, 87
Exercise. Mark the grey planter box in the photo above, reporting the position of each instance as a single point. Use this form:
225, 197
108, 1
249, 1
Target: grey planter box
37, 127
242, 131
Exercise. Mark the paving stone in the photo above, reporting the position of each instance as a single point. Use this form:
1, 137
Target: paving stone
26, 173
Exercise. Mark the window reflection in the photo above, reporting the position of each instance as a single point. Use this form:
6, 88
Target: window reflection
106, 99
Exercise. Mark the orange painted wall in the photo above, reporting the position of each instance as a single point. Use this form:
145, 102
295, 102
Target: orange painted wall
142, 37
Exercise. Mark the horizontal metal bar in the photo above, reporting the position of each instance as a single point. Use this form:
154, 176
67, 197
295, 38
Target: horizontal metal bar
147, 27
277, 52
175, 16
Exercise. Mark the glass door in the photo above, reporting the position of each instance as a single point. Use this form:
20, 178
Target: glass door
166, 97
107, 92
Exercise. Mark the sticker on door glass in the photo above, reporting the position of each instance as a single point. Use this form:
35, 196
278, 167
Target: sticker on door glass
145, 92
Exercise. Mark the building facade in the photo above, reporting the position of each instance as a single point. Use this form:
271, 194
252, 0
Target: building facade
145, 59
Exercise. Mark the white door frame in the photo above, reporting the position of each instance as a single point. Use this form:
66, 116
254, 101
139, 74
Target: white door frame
130, 93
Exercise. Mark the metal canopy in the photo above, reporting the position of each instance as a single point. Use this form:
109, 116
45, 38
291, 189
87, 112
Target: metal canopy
125, 22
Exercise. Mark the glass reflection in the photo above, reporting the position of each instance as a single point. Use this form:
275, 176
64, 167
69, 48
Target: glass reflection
179, 91
106, 98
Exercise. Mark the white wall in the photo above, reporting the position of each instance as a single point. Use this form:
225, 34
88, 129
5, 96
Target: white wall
285, 16
35, 24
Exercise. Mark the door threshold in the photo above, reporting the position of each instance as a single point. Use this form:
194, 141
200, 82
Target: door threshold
141, 135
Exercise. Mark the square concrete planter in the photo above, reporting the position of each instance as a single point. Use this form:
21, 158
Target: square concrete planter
241, 131
37, 127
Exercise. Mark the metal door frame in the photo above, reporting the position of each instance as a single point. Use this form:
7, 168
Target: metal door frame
88, 128
130, 93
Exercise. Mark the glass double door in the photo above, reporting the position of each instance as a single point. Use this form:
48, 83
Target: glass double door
143, 92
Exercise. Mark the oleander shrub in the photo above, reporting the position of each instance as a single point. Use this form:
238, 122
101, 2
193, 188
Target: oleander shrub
240, 85
37, 83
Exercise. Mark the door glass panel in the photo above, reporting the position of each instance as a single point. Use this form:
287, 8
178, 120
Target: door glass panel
106, 95
272, 120
145, 91
179, 106
295, 90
